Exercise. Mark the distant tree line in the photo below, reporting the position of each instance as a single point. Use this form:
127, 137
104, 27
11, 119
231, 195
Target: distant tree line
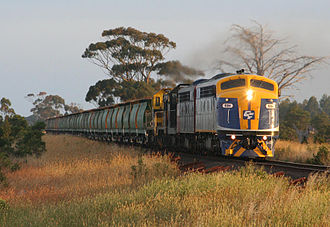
306, 121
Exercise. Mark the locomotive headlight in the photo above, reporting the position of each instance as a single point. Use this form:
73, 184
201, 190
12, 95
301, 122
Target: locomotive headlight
249, 95
233, 137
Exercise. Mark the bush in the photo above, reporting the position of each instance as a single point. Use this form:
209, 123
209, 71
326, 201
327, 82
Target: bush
287, 133
18, 139
3, 204
321, 158
319, 138
139, 171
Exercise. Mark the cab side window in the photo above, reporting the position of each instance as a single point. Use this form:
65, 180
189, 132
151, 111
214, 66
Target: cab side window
208, 91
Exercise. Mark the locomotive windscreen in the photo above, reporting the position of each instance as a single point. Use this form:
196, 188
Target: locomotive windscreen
233, 83
262, 84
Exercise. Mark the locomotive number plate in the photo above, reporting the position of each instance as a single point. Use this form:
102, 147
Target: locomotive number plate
270, 105
227, 105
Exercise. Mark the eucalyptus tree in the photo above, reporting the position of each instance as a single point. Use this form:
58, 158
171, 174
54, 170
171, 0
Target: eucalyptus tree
128, 54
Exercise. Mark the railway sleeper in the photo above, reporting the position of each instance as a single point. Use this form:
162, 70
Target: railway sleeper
217, 169
191, 166
299, 181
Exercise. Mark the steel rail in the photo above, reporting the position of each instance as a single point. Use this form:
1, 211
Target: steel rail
294, 165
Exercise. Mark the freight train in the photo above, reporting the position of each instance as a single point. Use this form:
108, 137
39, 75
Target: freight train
228, 114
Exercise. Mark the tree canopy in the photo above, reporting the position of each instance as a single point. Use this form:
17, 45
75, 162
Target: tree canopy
325, 103
257, 50
306, 119
128, 54
5, 108
105, 92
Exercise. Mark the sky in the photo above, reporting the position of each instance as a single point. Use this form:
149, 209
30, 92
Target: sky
41, 41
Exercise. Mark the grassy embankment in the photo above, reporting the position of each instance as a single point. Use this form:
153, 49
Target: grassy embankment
78, 182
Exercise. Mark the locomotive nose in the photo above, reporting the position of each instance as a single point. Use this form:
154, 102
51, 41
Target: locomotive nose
257, 110
247, 115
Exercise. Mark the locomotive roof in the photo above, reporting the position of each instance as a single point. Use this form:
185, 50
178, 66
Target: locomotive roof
179, 86
221, 75
200, 82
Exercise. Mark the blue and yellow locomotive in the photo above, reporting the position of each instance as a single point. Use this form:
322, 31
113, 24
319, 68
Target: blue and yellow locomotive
248, 116
229, 114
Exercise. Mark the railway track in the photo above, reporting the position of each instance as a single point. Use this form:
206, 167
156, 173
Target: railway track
294, 165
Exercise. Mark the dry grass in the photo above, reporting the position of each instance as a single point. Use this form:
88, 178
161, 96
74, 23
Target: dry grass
84, 183
295, 151
248, 197
71, 168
